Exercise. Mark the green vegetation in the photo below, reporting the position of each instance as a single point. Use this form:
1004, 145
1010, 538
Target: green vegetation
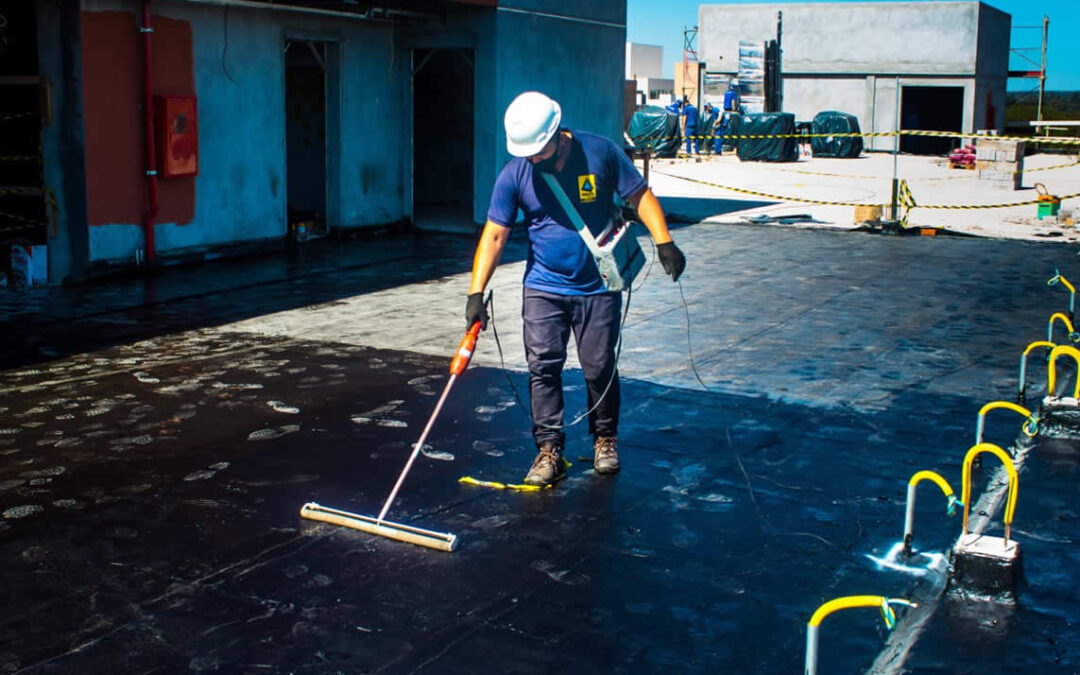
1057, 105
1022, 107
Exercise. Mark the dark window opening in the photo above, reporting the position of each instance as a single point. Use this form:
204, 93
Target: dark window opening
443, 119
931, 109
305, 137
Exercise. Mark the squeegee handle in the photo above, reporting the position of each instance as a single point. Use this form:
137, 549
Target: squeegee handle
465, 350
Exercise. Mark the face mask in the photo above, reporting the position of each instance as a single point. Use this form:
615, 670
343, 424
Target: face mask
547, 165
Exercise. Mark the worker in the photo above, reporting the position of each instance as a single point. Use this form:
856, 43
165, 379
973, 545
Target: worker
563, 291
710, 127
731, 97
690, 124
732, 105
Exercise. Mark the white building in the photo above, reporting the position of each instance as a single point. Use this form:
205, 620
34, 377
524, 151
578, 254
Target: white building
950, 60
645, 65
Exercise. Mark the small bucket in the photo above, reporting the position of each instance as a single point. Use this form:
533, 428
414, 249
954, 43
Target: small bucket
1049, 205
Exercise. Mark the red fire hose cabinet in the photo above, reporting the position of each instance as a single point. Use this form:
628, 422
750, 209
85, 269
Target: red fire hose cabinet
177, 122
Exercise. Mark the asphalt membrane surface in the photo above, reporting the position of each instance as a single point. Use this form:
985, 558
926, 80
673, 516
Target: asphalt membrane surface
159, 435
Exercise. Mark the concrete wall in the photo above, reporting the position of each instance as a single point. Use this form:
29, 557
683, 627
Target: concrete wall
474, 29
240, 189
565, 57
992, 68
644, 61
664, 88
807, 96
240, 192
847, 56
914, 38
60, 60
540, 46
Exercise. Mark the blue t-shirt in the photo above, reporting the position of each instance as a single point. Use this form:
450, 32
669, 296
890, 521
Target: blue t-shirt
691, 115
731, 99
595, 171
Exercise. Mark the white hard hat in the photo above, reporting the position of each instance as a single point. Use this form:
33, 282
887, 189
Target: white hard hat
531, 120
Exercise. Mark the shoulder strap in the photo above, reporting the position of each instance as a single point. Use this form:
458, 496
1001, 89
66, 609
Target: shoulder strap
571, 212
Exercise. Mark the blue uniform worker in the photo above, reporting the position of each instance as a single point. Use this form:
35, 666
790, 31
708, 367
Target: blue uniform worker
731, 105
563, 292
690, 113
711, 121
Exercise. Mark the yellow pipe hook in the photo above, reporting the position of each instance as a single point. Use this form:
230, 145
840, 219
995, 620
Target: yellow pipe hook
1014, 483
1052, 375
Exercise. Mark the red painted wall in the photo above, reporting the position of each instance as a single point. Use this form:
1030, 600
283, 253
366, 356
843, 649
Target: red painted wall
112, 90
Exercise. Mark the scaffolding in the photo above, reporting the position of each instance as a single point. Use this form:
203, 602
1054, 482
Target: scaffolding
690, 72
1023, 53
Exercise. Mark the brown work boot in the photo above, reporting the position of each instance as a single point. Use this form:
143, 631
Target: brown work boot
606, 454
548, 465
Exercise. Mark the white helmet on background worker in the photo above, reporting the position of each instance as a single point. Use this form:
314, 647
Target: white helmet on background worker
531, 120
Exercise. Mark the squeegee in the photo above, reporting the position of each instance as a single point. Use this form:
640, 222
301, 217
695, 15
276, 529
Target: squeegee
442, 541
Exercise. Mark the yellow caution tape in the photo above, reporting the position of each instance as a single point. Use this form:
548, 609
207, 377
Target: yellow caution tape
907, 200
991, 206
1051, 140
17, 116
768, 195
520, 487
921, 178
469, 480
12, 216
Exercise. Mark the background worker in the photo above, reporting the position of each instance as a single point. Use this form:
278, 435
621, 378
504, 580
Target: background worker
690, 124
731, 97
563, 291
731, 106
710, 126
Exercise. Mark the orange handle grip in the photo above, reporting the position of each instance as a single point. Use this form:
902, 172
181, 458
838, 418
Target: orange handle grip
465, 350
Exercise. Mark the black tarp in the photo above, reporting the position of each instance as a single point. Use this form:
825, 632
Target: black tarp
734, 123
656, 128
768, 149
835, 122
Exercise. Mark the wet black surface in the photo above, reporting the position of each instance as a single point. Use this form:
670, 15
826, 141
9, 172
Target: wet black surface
173, 299
150, 481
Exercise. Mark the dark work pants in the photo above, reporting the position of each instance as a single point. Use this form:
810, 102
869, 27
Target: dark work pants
691, 135
548, 320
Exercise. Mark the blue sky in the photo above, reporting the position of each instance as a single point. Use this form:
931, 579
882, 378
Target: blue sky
661, 22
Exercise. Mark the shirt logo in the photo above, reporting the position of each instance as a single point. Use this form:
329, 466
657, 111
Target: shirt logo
586, 188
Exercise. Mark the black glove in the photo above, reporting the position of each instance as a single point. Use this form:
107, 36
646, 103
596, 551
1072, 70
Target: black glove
475, 310
672, 259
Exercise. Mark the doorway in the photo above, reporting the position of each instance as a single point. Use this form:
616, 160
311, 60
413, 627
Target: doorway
24, 111
443, 122
310, 71
931, 109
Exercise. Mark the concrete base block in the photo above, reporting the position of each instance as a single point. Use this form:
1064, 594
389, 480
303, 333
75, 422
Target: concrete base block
1059, 418
985, 565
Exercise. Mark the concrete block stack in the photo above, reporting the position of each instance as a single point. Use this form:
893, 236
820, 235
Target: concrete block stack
1000, 162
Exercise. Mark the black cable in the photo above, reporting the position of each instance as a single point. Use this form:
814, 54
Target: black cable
618, 350
611, 380
689, 347
225, 50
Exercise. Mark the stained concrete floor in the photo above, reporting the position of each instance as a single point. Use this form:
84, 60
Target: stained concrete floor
159, 437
